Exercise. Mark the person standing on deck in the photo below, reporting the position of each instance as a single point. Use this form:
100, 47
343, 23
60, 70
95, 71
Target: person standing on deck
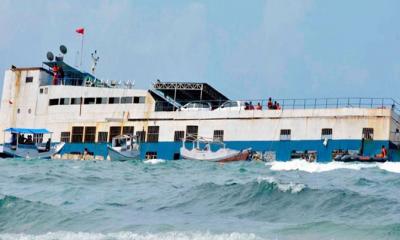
269, 104
55, 74
61, 75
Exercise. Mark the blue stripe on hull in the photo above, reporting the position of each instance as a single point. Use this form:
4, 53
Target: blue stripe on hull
283, 149
96, 148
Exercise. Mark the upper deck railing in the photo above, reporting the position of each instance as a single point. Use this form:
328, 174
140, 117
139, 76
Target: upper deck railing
306, 103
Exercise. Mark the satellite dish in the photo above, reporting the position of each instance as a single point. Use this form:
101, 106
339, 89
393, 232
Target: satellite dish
63, 49
50, 56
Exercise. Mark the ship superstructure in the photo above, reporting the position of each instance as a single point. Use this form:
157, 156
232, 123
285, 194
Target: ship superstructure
85, 112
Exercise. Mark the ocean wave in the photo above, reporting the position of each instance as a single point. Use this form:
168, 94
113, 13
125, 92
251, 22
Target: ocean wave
131, 236
312, 167
268, 199
19, 214
154, 161
390, 166
284, 187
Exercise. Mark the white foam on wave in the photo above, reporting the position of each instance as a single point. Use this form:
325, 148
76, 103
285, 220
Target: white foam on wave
302, 165
283, 187
390, 166
130, 236
311, 167
154, 161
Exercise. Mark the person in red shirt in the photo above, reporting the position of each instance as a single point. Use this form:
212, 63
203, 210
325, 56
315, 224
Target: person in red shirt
383, 152
55, 74
258, 106
251, 107
269, 104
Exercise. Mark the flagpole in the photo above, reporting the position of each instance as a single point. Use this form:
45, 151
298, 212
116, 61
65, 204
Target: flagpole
80, 65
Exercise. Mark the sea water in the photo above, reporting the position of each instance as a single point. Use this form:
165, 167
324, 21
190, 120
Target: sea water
157, 199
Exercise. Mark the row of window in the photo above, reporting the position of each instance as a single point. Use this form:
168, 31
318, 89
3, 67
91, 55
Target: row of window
88, 134
98, 100
326, 133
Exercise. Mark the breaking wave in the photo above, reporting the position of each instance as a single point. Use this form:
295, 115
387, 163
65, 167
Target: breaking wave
154, 161
313, 167
284, 187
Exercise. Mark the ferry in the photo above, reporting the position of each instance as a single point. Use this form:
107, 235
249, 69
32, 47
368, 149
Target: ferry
86, 113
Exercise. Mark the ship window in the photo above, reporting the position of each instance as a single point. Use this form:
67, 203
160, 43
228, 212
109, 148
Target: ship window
191, 132
285, 134
326, 133
77, 134
139, 99
53, 101
179, 135
18, 110
41, 91
89, 101
219, 135
38, 138
90, 134
76, 101
141, 136
114, 131
113, 100
128, 130
100, 100
368, 133
29, 79
46, 90
153, 132
64, 101
177, 156
102, 136
151, 155
126, 99
230, 104
65, 136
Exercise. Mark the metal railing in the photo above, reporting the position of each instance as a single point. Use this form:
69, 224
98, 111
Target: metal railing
300, 103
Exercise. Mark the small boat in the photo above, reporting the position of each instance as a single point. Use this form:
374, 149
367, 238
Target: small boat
223, 154
124, 148
348, 156
28, 143
359, 158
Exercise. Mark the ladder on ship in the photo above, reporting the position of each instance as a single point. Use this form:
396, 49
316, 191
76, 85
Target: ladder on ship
166, 98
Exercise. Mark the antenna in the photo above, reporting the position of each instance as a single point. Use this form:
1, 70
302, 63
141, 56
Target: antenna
50, 56
95, 59
77, 59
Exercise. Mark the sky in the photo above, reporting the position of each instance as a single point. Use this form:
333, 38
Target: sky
246, 49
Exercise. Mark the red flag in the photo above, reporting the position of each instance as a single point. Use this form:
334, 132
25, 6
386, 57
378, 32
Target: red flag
80, 30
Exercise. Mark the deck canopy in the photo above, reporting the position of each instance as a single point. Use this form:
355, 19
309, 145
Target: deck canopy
184, 92
28, 130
